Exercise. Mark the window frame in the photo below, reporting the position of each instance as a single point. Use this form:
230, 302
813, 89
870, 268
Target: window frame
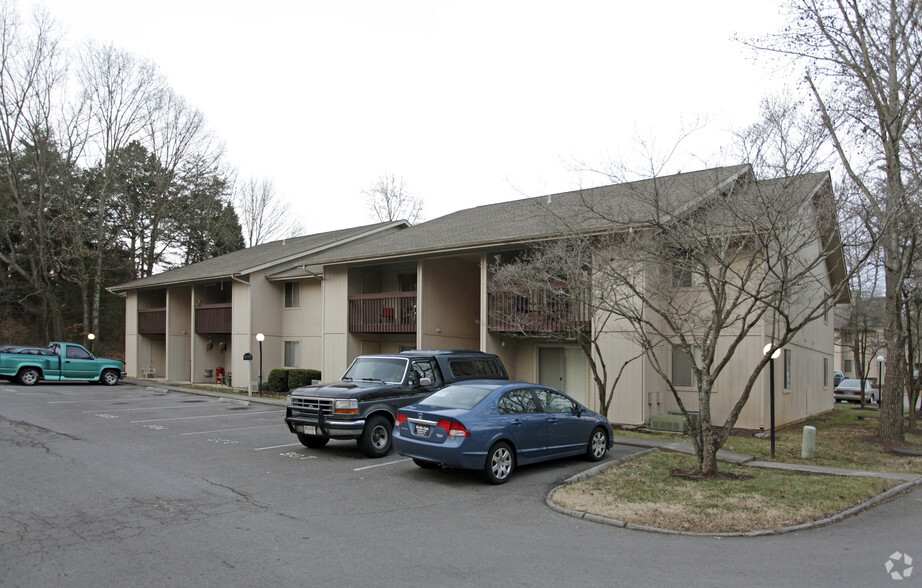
693, 379
295, 347
788, 370
292, 295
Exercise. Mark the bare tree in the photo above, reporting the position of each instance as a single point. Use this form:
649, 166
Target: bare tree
35, 177
861, 319
120, 90
546, 293
389, 200
692, 267
863, 61
264, 215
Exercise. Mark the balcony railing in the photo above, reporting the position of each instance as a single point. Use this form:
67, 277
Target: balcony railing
542, 311
213, 318
152, 321
392, 312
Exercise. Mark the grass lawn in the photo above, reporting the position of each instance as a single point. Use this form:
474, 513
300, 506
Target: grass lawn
651, 490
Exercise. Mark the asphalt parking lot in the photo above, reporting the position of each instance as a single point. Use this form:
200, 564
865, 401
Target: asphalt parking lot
133, 484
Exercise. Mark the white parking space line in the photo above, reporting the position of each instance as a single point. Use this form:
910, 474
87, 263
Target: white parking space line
209, 405
80, 401
381, 465
209, 416
276, 446
236, 429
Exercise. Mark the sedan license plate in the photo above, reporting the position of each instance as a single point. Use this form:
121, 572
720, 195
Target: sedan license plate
422, 430
307, 429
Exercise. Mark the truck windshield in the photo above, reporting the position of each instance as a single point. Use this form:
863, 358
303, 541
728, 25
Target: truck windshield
377, 369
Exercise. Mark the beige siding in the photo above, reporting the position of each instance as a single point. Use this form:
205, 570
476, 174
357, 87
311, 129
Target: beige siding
179, 329
338, 349
449, 303
132, 340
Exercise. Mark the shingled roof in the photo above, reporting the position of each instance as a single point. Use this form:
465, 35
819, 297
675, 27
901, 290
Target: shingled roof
477, 228
251, 259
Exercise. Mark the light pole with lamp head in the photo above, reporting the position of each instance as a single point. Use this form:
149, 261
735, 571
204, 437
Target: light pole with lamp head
91, 338
260, 337
880, 377
772, 356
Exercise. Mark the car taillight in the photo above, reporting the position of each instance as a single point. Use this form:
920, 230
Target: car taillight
401, 418
454, 428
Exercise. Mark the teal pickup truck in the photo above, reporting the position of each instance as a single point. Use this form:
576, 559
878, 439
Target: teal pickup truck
59, 362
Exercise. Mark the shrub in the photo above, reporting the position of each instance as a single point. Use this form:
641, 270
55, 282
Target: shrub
298, 378
278, 380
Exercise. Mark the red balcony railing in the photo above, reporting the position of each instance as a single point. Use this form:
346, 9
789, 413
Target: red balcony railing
152, 321
391, 312
541, 311
213, 318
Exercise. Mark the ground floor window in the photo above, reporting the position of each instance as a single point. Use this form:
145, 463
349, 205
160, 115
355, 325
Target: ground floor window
292, 354
787, 369
683, 373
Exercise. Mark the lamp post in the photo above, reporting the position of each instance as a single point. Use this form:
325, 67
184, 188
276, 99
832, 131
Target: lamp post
880, 377
91, 337
772, 356
260, 337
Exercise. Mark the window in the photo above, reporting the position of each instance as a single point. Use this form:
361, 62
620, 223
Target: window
292, 354
484, 368
517, 402
787, 369
686, 278
825, 372
74, 352
848, 366
292, 294
683, 374
425, 369
554, 402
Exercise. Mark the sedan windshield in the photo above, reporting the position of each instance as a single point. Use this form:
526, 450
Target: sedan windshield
463, 397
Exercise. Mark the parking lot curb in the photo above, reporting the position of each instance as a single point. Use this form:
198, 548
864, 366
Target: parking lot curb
867, 504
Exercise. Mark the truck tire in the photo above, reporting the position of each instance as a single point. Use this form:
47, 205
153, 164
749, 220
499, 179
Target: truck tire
313, 441
376, 437
109, 377
28, 376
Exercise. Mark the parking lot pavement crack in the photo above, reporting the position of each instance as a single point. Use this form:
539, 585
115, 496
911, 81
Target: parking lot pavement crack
243, 495
23, 434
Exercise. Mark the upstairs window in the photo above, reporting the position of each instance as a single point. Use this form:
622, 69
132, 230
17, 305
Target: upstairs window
292, 294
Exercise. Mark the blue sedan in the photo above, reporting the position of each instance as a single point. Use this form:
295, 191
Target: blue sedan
496, 426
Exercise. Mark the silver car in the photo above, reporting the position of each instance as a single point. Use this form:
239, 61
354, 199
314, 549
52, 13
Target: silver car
849, 390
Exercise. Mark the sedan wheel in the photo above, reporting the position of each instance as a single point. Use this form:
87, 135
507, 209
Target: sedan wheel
500, 463
598, 445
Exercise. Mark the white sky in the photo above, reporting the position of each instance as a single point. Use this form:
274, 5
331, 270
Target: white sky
470, 102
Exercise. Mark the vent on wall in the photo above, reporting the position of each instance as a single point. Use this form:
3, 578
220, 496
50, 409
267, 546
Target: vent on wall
667, 422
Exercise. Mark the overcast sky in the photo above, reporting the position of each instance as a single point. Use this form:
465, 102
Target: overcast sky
470, 102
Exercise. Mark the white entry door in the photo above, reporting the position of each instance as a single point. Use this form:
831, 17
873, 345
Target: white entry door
564, 368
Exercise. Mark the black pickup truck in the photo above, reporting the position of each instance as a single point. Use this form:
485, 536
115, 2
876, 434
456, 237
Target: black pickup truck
363, 404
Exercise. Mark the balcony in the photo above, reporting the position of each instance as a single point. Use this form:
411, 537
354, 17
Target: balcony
392, 312
152, 321
536, 312
213, 318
